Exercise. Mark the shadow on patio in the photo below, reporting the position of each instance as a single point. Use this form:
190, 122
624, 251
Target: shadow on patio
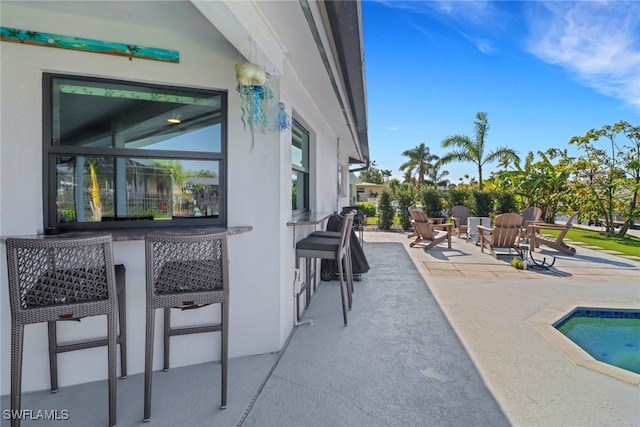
398, 363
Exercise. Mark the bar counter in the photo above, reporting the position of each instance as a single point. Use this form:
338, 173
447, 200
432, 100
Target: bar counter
130, 234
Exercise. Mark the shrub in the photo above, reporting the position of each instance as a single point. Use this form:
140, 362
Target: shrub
406, 196
505, 202
432, 202
385, 210
368, 209
458, 197
484, 203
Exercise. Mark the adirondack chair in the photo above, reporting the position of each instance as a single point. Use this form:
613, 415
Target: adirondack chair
459, 215
557, 243
418, 215
429, 235
530, 215
505, 234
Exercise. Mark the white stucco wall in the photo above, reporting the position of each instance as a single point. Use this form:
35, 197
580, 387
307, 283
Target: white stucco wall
261, 261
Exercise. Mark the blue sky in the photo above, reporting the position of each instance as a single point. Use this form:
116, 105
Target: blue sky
542, 71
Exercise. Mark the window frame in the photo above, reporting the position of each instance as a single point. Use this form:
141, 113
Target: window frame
51, 151
306, 171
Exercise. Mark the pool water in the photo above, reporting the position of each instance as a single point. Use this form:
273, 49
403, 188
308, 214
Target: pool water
610, 336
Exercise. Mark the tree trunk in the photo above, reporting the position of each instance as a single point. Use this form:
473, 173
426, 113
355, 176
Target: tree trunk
623, 229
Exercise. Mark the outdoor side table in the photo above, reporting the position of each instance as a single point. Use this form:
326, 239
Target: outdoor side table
472, 227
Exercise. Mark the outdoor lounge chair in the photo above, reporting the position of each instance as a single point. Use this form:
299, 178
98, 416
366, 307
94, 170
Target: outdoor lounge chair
429, 235
460, 215
530, 215
419, 215
557, 242
505, 234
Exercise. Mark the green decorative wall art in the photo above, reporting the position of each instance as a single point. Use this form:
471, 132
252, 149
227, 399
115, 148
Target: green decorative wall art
88, 45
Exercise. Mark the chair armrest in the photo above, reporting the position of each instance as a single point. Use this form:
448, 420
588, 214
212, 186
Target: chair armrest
482, 229
544, 226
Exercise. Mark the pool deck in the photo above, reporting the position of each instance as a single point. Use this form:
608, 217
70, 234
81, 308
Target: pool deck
498, 313
445, 337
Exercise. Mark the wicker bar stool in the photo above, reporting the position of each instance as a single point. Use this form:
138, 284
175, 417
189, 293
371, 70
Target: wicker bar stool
337, 235
55, 348
185, 272
61, 279
312, 248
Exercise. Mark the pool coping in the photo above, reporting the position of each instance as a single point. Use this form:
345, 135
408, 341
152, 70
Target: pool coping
542, 322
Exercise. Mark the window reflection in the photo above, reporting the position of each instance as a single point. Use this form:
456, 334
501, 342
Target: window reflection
98, 189
117, 115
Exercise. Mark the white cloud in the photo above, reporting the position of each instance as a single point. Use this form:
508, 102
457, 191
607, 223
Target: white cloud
392, 128
482, 44
598, 41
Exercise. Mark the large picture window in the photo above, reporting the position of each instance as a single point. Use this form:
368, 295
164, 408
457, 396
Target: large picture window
122, 154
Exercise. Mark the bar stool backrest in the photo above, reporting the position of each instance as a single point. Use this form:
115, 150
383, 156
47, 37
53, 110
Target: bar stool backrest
58, 278
345, 233
191, 263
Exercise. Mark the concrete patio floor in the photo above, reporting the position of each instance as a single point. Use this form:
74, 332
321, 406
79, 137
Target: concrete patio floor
439, 337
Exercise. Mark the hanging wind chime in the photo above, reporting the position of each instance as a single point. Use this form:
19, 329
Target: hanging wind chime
259, 110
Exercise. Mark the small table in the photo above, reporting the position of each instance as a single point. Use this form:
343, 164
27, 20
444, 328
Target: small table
472, 226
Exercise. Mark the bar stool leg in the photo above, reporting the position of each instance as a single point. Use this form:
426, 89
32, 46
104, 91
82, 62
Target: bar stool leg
297, 296
17, 337
307, 273
148, 363
349, 277
52, 332
224, 331
111, 357
342, 285
122, 318
167, 337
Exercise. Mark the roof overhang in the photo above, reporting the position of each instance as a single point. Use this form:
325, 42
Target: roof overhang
345, 23
254, 29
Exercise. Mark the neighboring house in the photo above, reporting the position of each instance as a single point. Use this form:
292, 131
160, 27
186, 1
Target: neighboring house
366, 191
74, 118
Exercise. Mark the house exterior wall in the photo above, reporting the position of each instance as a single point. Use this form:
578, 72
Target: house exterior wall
367, 192
259, 186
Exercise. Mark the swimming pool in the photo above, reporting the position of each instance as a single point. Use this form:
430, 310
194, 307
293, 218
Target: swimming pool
611, 336
558, 313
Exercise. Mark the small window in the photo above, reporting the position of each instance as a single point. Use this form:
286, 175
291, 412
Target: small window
300, 168
341, 180
117, 153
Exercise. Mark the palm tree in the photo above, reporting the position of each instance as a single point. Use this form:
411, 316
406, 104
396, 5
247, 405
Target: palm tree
472, 150
419, 161
437, 178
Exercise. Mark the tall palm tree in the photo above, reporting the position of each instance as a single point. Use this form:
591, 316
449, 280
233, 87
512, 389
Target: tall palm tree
437, 178
419, 161
472, 150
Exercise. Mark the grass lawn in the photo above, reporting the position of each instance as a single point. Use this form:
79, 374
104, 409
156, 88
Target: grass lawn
628, 245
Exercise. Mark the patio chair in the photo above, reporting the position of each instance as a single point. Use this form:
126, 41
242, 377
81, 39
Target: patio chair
530, 215
505, 234
418, 214
557, 242
185, 272
62, 279
460, 215
429, 235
